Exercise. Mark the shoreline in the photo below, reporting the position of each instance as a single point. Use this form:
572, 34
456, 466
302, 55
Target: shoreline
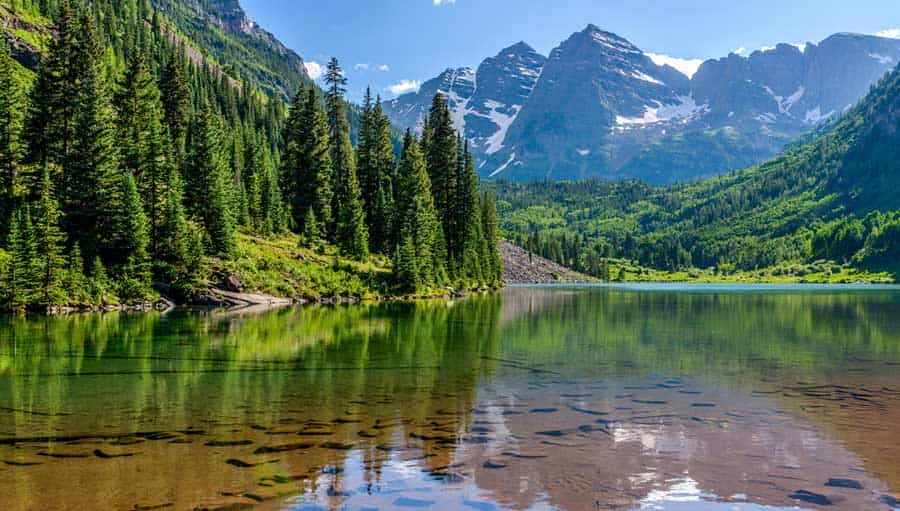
215, 298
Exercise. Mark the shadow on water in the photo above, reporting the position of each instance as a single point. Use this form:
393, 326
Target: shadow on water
568, 398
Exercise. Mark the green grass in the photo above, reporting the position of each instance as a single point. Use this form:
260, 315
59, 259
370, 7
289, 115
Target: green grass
280, 267
820, 272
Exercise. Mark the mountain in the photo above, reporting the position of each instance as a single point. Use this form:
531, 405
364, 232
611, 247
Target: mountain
484, 102
832, 199
601, 107
214, 32
221, 30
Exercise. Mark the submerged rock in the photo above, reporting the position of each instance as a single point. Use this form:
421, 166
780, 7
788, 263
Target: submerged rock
845, 483
812, 498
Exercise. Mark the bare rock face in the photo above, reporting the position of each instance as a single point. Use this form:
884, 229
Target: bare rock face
599, 106
522, 267
233, 283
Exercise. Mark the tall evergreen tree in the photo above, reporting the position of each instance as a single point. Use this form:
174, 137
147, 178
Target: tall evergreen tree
181, 258
132, 240
351, 235
376, 161
49, 242
442, 157
50, 123
264, 201
420, 253
350, 231
209, 185
306, 167
20, 276
176, 98
90, 173
144, 146
493, 264
468, 220
10, 137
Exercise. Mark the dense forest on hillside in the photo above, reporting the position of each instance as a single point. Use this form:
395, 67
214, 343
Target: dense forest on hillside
135, 169
828, 204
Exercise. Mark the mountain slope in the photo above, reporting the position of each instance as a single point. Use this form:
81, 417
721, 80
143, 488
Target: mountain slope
221, 30
217, 32
600, 107
484, 102
834, 198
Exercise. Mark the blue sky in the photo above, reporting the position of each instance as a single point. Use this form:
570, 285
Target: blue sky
384, 43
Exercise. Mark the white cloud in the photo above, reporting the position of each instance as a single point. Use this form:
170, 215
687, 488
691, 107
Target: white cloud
686, 66
893, 33
438, 3
314, 69
739, 50
384, 68
404, 86
362, 67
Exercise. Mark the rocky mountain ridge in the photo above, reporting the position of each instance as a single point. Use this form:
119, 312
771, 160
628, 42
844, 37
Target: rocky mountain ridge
599, 106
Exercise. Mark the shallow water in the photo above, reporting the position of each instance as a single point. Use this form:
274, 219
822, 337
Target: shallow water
654, 398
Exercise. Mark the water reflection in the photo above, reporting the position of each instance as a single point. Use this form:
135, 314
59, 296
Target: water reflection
539, 398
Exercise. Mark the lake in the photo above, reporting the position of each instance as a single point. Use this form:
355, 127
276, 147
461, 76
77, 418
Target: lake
586, 397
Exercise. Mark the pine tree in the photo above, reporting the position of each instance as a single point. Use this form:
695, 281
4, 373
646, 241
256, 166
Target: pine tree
350, 231
143, 142
441, 154
49, 241
272, 199
181, 260
493, 264
20, 278
311, 236
367, 170
468, 220
50, 123
132, 240
10, 137
382, 218
209, 185
75, 282
254, 191
380, 174
176, 97
99, 285
406, 271
306, 167
351, 235
417, 221
90, 174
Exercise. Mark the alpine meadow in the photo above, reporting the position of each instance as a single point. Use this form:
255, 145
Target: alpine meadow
490, 255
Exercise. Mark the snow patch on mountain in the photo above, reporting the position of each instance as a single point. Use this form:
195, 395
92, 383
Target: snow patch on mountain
645, 77
503, 122
785, 104
815, 116
503, 167
683, 111
882, 59
613, 42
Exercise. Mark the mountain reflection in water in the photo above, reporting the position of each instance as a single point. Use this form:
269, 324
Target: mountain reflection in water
535, 398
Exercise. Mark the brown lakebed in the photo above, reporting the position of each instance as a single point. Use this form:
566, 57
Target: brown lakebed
647, 397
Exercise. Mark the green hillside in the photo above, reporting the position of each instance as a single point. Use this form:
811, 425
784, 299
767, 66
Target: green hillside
140, 157
833, 201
